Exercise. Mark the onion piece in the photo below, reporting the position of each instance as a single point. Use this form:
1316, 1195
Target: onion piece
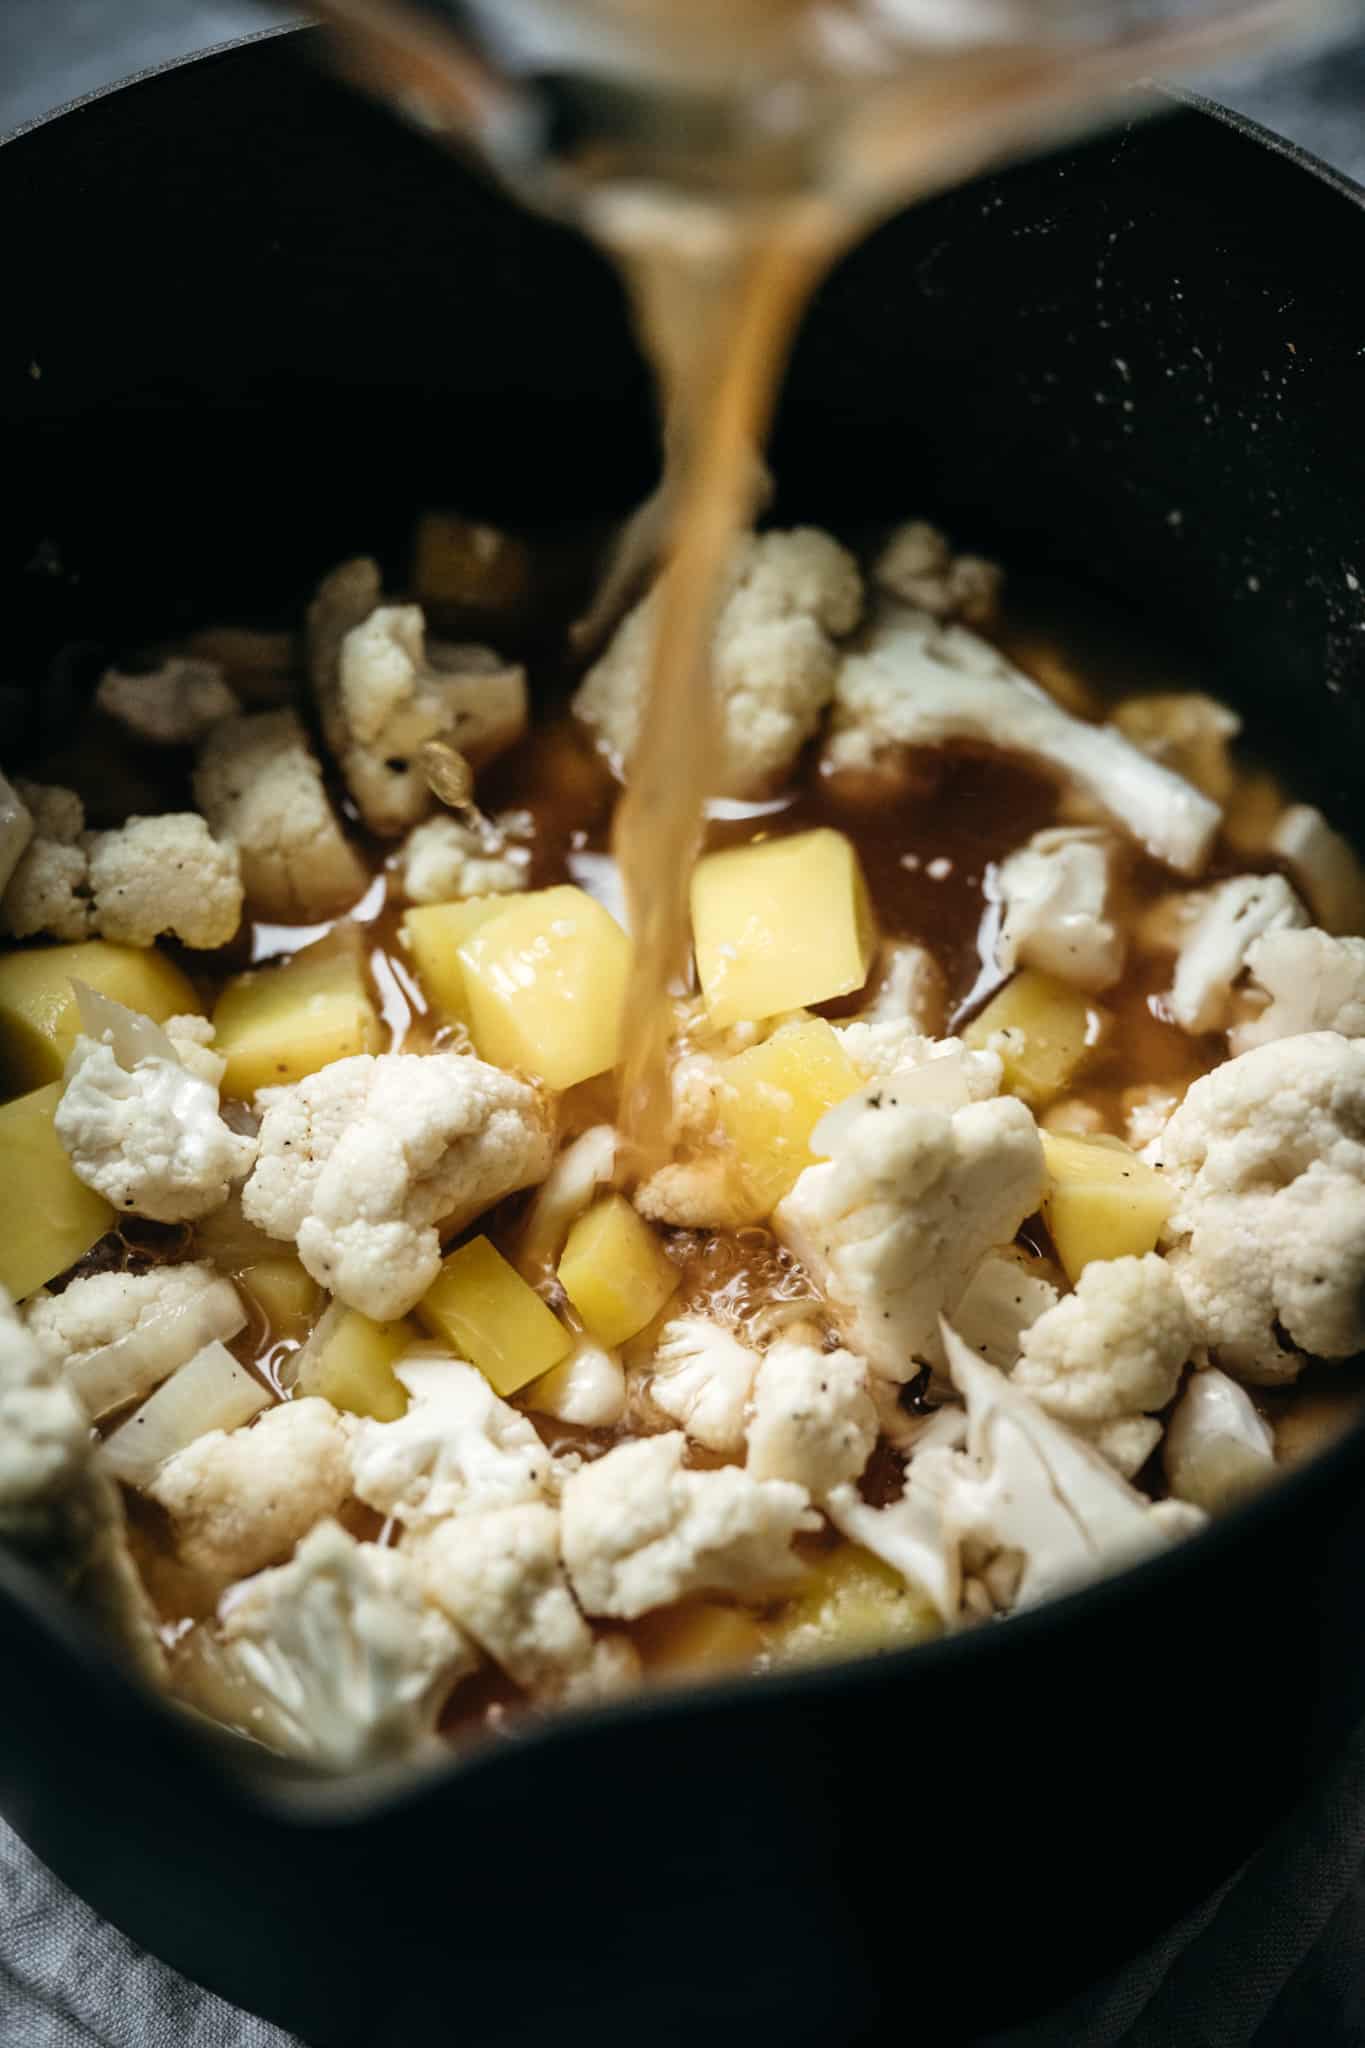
145, 1355
212, 1392
563, 1195
131, 1035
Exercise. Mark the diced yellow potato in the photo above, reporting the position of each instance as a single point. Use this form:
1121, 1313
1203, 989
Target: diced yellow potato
433, 935
780, 925
614, 1270
1042, 1029
546, 986
851, 1603
38, 1015
459, 562
48, 1218
485, 1311
276, 1024
698, 1640
350, 1363
1101, 1202
285, 1292
772, 1097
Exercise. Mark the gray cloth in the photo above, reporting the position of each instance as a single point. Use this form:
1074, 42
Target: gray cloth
1277, 1959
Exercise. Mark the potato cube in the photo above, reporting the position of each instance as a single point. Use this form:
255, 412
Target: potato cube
285, 1292
615, 1272
38, 1015
1043, 1031
851, 1603
433, 936
546, 986
1102, 1202
772, 1097
779, 925
48, 1218
485, 1311
276, 1024
698, 1640
349, 1361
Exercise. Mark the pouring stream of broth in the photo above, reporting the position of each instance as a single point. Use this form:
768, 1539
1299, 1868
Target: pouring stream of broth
724, 210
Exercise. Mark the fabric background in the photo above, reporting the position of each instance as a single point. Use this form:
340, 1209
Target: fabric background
1278, 1957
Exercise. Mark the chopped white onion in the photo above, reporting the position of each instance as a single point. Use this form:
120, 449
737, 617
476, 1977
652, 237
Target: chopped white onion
565, 1193
140, 1359
212, 1392
131, 1035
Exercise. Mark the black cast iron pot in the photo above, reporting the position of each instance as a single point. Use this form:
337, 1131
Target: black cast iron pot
265, 324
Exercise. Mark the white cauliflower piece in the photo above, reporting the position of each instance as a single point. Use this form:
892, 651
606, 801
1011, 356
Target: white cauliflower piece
259, 784
487, 708
115, 1336
918, 565
165, 874
193, 1039
351, 1664
138, 1127
447, 860
907, 1197
639, 1530
1055, 907
946, 1073
1217, 1447
910, 988
1110, 1352
701, 1376
787, 598
48, 887
243, 1498
1218, 928
1188, 732
908, 1533
916, 683
1004, 1297
16, 829
1301, 981
1029, 1487
172, 705
587, 1388
458, 1450
813, 1421
1325, 866
499, 1576
364, 1163
1266, 1158
1147, 1109
44, 1431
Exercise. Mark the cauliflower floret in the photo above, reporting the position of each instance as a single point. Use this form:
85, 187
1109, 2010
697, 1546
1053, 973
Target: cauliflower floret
193, 1038
499, 1576
138, 1127
701, 1375
258, 783
813, 1421
48, 888
788, 597
239, 1500
1188, 732
116, 1335
1217, 1447
458, 1450
16, 829
908, 1533
907, 1198
44, 1431
446, 860
351, 1664
918, 564
165, 874
170, 706
916, 683
1302, 981
1054, 894
1266, 1159
1325, 866
1217, 928
1113, 1350
364, 1163
947, 1073
639, 1530
1147, 1109
485, 698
